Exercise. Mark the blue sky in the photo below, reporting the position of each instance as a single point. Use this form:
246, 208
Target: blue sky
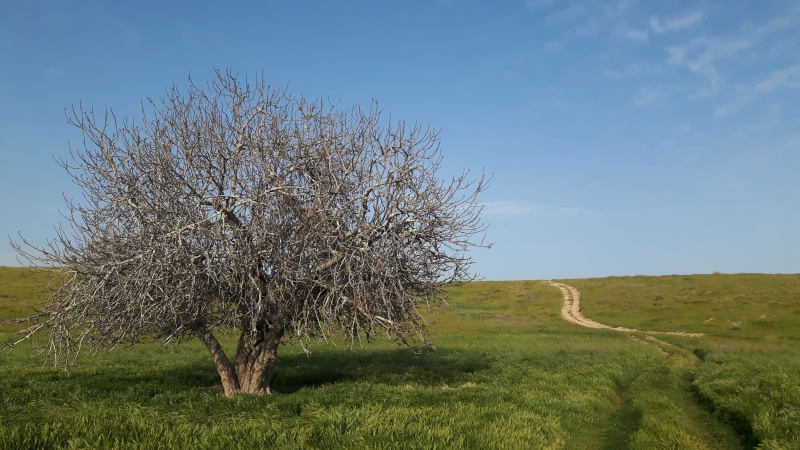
625, 137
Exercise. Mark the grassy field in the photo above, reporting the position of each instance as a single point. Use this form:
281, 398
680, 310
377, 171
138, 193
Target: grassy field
508, 372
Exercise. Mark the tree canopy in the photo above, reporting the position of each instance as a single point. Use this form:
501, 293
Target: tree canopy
236, 206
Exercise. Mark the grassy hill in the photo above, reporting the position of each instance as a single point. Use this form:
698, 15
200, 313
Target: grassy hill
507, 372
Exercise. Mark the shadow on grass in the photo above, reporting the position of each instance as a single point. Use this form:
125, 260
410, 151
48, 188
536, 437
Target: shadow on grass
734, 419
390, 366
106, 377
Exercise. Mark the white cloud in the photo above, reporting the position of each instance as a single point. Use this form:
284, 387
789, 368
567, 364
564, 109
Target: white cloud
787, 77
747, 94
648, 96
553, 46
701, 55
742, 98
633, 70
654, 24
592, 20
777, 24
680, 23
635, 35
721, 111
566, 15
677, 54
699, 94
709, 55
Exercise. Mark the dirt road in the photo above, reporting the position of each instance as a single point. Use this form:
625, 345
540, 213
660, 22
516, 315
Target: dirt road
571, 311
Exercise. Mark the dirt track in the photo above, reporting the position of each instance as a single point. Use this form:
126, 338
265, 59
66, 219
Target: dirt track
571, 311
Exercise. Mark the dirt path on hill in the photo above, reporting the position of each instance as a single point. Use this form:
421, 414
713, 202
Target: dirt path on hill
571, 311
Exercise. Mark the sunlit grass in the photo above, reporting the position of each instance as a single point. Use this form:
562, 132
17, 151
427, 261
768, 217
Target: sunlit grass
760, 306
507, 372
748, 365
20, 290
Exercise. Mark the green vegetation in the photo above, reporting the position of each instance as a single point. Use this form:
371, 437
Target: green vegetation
20, 289
508, 372
747, 368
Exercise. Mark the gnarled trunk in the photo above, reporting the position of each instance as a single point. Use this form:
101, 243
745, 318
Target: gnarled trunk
251, 372
255, 360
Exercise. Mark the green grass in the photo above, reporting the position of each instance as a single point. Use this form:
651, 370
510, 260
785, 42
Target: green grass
507, 372
20, 289
762, 307
748, 365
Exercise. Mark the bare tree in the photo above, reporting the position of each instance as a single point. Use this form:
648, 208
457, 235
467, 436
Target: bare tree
235, 206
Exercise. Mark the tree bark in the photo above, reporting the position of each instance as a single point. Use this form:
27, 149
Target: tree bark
227, 374
255, 360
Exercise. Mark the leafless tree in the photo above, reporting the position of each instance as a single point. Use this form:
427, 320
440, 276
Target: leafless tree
236, 206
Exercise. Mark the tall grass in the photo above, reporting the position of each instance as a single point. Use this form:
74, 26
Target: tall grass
507, 372
748, 365
20, 290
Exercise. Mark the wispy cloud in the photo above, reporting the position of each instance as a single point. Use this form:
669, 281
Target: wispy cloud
746, 94
724, 110
599, 19
633, 34
566, 15
648, 96
778, 23
706, 55
699, 94
787, 77
742, 97
666, 25
633, 70
701, 55
552, 46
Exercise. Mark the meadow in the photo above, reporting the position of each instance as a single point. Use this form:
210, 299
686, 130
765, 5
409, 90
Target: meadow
507, 373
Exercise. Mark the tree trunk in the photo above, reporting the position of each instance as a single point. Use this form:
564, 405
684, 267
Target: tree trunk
230, 382
255, 359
